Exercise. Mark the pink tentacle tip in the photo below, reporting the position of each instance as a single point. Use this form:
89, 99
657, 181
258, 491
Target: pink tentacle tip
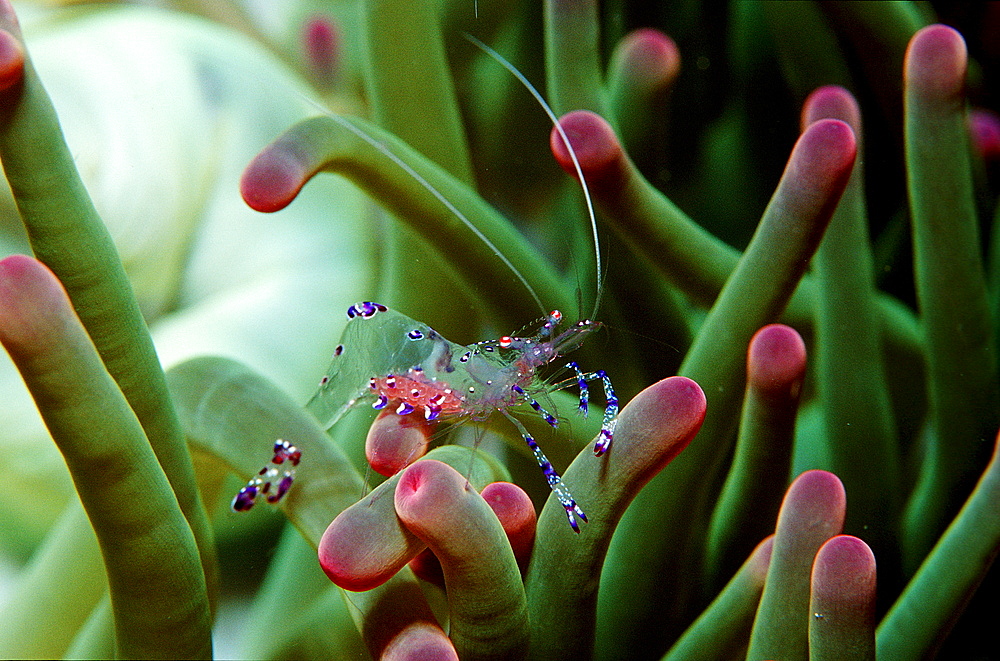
394, 441
14, 269
651, 54
594, 142
843, 589
815, 497
365, 545
427, 567
321, 41
11, 60
18, 271
34, 308
935, 63
984, 127
272, 180
517, 516
352, 558
657, 425
420, 641
428, 495
776, 360
820, 164
828, 145
831, 102
844, 571
760, 560
675, 407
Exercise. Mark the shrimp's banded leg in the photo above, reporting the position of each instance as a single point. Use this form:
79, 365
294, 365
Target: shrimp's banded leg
551, 476
262, 481
548, 417
610, 408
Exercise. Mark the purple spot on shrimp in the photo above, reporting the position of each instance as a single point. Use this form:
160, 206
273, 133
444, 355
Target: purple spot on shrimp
365, 310
415, 334
283, 486
244, 500
603, 443
404, 409
339, 350
380, 403
432, 412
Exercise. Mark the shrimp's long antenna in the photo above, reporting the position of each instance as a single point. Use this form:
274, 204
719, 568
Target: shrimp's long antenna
347, 124
569, 147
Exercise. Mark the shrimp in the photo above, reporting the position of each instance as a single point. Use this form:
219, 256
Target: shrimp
394, 361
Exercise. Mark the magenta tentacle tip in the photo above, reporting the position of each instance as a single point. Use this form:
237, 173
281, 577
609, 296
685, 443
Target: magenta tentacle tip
15, 267
817, 495
517, 516
427, 567
421, 641
321, 41
11, 60
15, 271
33, 305
831, 102
844, 571
760, 559
272, 180
361, 550
821, 161
680, 409
984, 127
666, 416
776, 360
651, 54
394, 442
935, 63
428, 498
827, 147
596, 146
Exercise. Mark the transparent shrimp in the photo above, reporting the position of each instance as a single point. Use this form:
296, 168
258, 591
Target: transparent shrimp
391, 360
415, 369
